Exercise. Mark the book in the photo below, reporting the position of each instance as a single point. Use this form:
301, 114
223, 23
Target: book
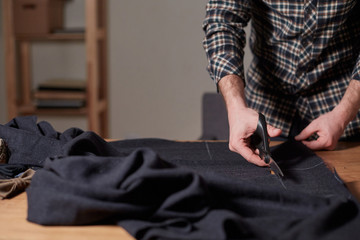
57, 103
63, 85
73, 30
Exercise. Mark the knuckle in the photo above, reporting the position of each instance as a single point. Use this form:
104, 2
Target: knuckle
329, 145
231, 147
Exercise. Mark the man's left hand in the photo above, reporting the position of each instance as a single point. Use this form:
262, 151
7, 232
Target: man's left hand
329, 127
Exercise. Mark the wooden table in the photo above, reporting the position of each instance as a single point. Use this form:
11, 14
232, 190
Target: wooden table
346, 161
13, 225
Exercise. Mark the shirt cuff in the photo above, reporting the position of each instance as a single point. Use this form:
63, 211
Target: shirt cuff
356, 72
221, 66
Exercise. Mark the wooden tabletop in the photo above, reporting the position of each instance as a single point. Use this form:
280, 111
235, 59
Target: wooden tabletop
14, 226
345, 159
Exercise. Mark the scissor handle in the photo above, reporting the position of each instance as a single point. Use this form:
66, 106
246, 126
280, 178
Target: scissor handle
260, 138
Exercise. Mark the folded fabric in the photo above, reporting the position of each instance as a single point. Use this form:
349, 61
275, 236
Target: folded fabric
11, 187
11, 170
30, 143
159, 189
155, 199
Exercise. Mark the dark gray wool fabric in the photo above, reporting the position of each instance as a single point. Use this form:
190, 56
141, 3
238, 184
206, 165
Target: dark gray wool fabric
160, 189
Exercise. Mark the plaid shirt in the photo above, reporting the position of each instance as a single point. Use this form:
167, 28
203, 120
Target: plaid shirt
305, 54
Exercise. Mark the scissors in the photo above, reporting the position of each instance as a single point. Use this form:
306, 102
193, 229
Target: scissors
260, 140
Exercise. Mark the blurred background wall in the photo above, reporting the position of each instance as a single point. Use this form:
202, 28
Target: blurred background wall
157, 67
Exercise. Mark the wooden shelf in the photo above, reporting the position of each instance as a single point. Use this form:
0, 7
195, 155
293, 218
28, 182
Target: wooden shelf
53, 36
101, 34
20, 96
50, 94
32, 110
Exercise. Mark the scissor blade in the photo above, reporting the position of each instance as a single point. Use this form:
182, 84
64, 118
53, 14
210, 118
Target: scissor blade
275, 168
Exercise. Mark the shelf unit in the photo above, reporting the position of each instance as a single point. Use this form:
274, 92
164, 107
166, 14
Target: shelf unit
20, 97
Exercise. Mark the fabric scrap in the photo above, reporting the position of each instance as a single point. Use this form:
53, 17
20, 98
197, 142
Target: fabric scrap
12, 187
11, 170
30, 143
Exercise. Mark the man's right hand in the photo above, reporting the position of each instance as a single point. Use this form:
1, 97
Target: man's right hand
242, 120
242, 125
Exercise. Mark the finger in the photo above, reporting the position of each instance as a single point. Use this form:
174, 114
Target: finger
314, 145
321, 143
306, 132
251, 157
273, 131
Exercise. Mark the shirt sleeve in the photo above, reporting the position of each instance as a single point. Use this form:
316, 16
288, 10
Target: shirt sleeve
356, 72
225, 38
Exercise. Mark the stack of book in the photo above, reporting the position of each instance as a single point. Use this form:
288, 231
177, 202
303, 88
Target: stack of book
61, 93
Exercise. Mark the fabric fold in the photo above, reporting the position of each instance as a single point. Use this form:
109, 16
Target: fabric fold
155, 199
161, 189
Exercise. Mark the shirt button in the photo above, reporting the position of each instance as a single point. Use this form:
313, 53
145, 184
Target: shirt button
304, 42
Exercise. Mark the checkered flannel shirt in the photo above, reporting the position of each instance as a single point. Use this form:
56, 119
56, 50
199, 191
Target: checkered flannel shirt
305, 54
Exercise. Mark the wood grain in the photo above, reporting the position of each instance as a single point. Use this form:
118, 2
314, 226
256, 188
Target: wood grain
14, 226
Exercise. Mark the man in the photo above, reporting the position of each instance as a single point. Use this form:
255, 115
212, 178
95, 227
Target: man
305, 71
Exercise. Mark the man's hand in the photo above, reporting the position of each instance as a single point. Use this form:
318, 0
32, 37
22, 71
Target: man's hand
330, 126
242, 125
242, 120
